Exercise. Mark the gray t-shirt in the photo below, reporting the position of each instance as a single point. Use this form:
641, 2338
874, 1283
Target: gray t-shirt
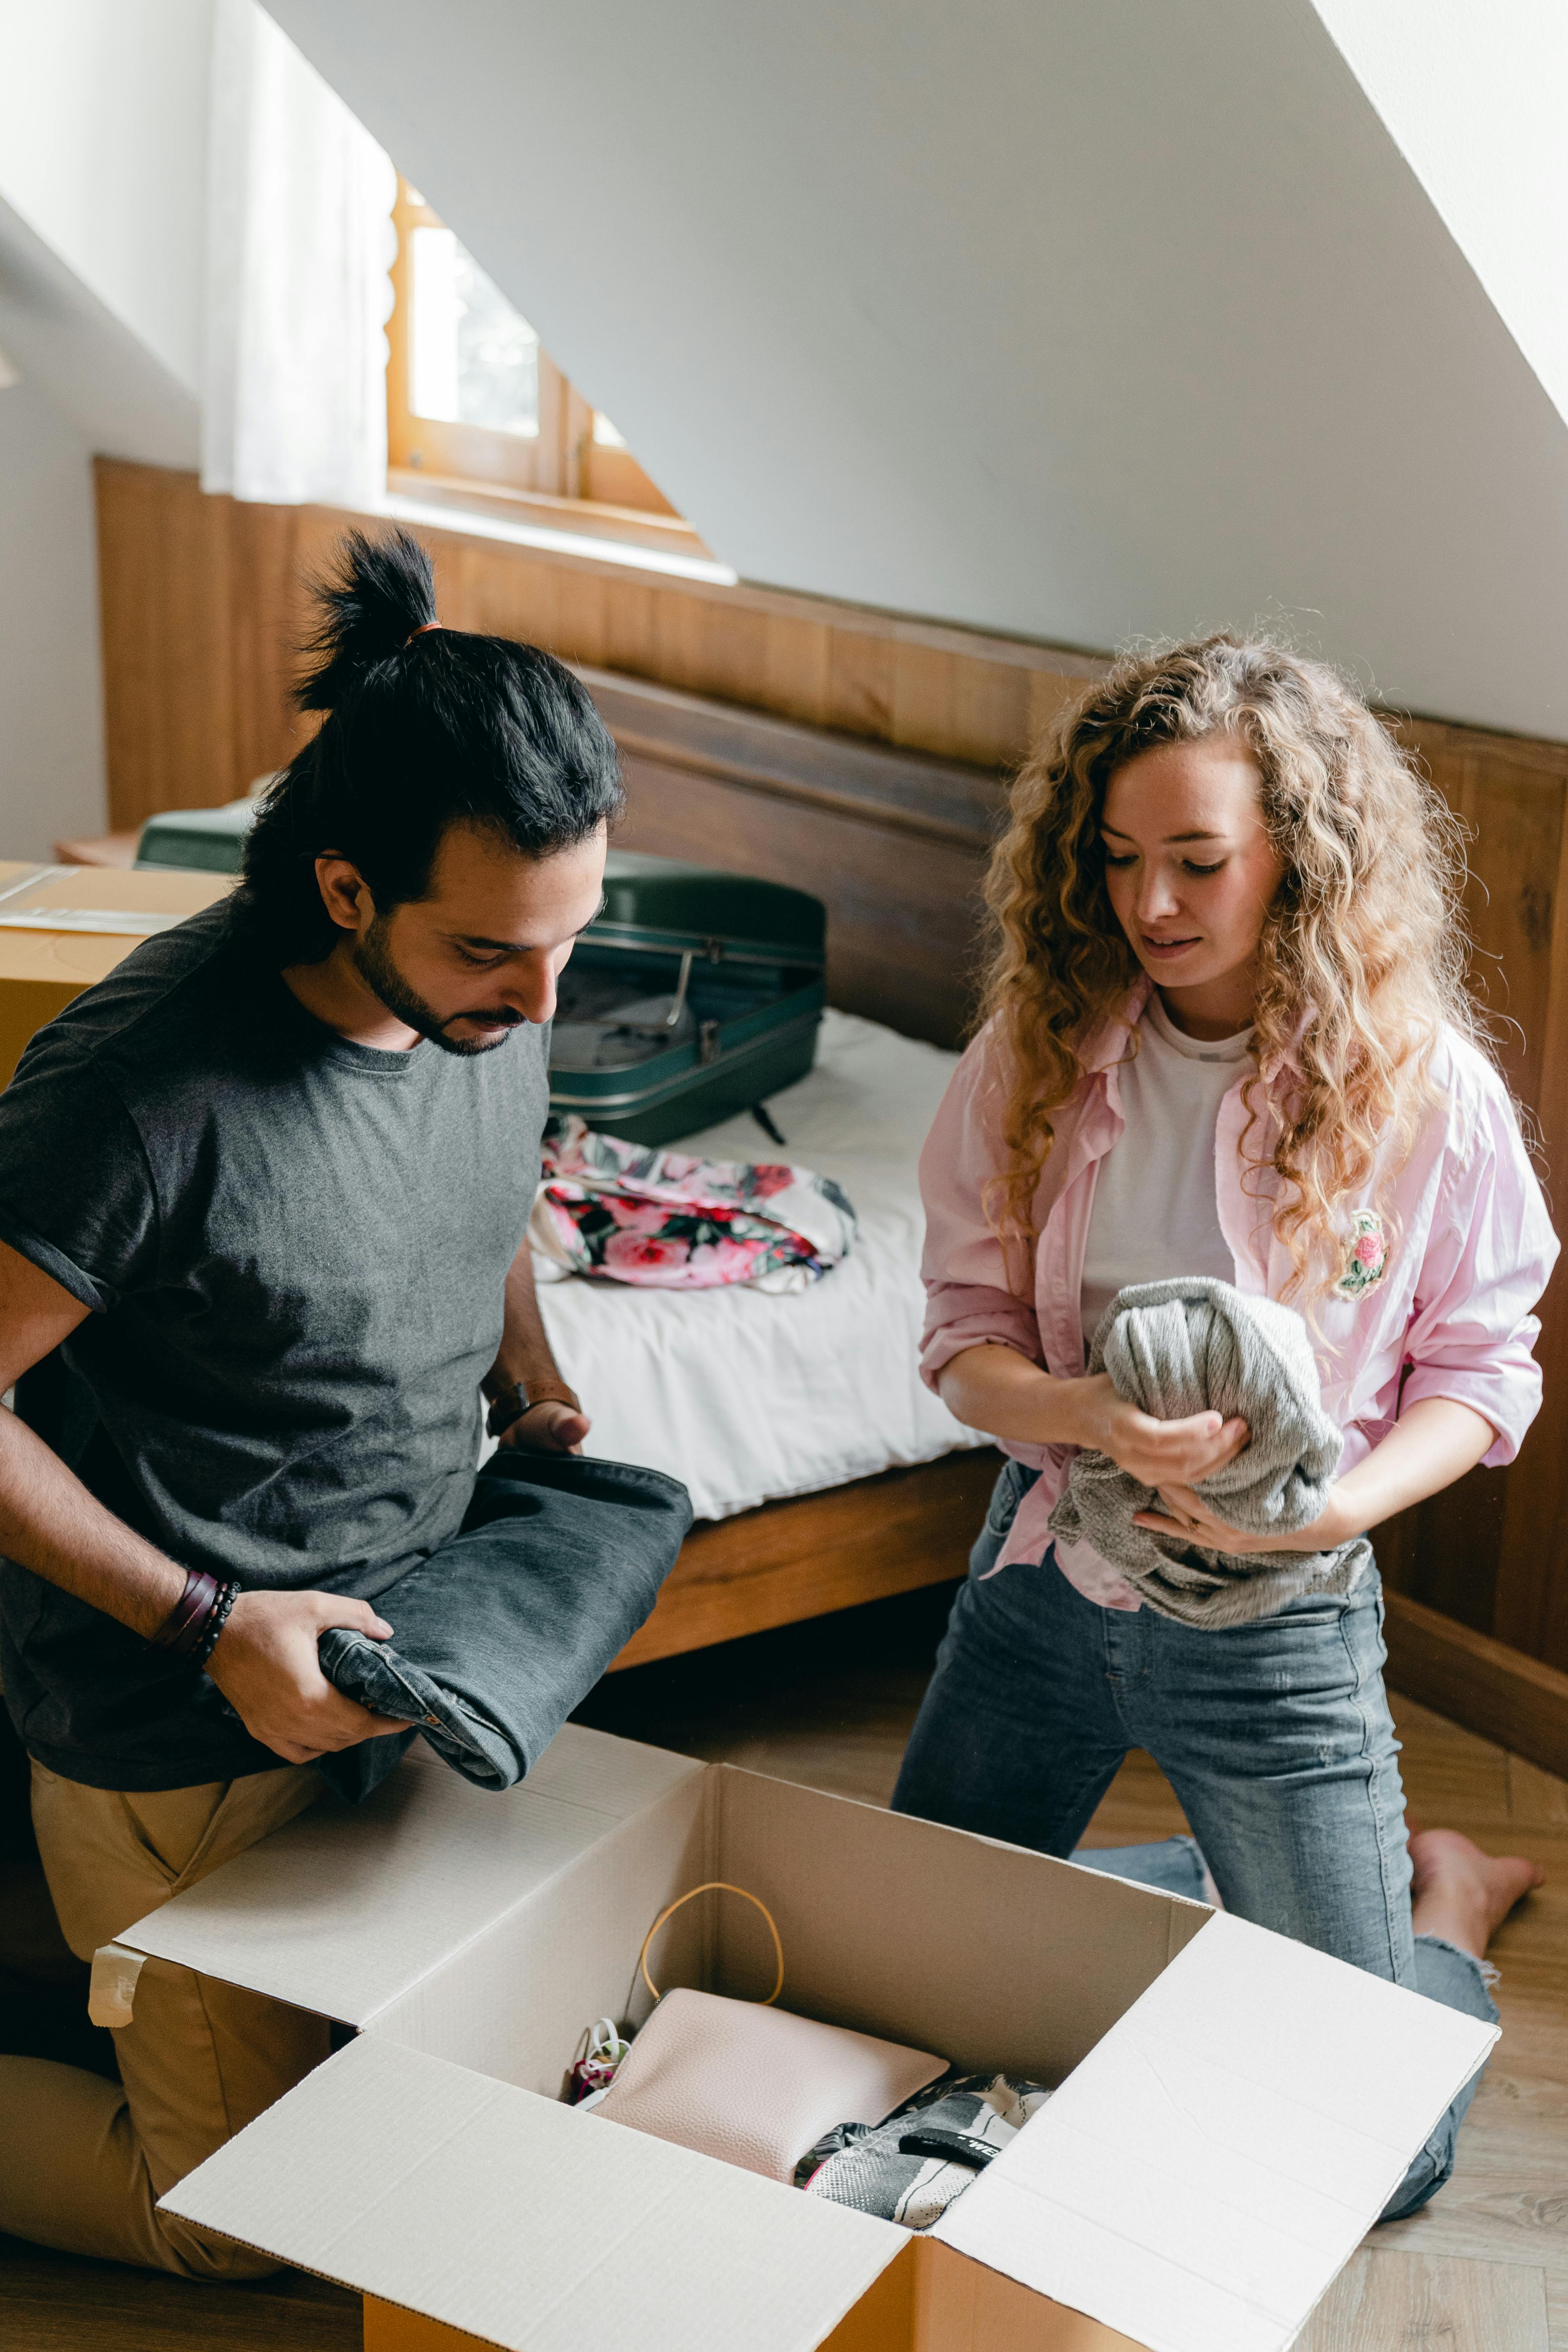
296, 1248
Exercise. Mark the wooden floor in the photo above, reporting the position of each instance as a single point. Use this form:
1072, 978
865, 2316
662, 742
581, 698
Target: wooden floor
1483, 2269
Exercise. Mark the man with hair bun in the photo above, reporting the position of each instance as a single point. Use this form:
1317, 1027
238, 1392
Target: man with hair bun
264, 1195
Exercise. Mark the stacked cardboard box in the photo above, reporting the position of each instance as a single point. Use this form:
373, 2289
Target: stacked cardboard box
64, 926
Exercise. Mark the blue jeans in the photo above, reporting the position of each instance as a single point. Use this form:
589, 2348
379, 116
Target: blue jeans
501, 1630
1276, 1737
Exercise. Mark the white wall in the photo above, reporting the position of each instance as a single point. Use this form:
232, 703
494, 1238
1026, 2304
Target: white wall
1477, 98
1081, 318
51, 733
103, 163
98, 371
103, 152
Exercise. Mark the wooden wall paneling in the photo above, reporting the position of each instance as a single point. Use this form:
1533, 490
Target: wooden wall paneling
860, 680
1448, 1551
1492, 1550
943, 704
1468, 1565
478, 593
950, 691
796, 672
1490, 1687
956, 692
1048, 690
738, 640
1517, 811
263, 579
1532, 1595
168, 642
910, 790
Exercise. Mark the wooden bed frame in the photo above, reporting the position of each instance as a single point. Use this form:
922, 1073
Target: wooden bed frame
820, 1552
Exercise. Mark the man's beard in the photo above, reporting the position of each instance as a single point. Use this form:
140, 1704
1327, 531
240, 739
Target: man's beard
373, 964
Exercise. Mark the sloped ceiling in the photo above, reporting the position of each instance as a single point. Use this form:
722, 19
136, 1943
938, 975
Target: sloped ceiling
103, 165
1085, 319
1476, 98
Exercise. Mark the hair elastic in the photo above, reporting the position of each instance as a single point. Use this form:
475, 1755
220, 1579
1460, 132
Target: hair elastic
419, 632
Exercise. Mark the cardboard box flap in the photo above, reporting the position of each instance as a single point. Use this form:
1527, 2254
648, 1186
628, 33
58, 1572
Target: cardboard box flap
992, 1954
506, 2215
105, 899
1201, 2177
349, 1908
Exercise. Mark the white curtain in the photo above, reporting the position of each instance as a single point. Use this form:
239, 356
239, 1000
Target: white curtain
299, 244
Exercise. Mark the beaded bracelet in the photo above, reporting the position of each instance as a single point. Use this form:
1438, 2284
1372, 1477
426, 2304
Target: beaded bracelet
192, 1627
217, 1618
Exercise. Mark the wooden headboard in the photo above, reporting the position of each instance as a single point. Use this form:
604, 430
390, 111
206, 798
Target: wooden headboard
894, 842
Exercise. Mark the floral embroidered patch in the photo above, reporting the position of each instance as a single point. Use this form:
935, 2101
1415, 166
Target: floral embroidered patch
1368, 1260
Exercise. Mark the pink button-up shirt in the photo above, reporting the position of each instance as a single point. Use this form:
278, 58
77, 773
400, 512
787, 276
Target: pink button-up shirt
1468, 1250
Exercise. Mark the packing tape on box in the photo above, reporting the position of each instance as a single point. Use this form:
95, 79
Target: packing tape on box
111, 1995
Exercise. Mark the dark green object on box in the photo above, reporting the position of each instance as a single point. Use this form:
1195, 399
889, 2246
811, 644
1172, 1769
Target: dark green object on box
211, 841
693, 995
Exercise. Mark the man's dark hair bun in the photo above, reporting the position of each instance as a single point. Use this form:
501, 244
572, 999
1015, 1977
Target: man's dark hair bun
379, 591
453, 729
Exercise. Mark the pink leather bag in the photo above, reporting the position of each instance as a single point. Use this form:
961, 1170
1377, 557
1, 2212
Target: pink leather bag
749, 2084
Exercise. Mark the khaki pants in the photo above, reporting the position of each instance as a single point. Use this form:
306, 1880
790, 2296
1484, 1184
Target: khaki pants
82, 2161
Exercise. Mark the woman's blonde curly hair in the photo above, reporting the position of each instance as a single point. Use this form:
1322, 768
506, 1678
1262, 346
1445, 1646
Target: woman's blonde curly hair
1363, 954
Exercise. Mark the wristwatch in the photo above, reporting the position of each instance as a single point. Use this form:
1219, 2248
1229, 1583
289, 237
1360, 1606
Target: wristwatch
510, 1404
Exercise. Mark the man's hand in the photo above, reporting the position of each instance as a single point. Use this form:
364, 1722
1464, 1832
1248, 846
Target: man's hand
1156, 1453
548, 1427
265, 1666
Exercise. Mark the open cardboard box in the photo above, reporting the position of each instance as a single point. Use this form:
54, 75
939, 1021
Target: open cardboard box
1233, 2109
63, 928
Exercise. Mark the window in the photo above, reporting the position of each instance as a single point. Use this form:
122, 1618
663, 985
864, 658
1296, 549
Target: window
475, 406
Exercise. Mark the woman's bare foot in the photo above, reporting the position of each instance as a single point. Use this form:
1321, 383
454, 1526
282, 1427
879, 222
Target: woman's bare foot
1461, 1893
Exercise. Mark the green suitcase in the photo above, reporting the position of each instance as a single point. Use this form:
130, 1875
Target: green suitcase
693, 995
210, 840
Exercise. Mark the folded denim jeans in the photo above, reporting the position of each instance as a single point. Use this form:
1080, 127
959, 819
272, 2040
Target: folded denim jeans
500, 1633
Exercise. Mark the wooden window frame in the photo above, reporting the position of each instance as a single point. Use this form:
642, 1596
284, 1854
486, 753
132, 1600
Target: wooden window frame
561, 468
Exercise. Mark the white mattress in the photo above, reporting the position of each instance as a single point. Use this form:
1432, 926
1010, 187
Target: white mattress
749, 1398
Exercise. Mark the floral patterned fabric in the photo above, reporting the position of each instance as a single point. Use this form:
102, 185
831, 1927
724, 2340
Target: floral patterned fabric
661, 1219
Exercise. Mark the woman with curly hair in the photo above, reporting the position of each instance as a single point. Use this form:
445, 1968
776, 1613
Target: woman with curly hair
1226, 1034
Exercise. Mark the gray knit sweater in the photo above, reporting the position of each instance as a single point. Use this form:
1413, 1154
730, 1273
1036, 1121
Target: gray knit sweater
1193, 1346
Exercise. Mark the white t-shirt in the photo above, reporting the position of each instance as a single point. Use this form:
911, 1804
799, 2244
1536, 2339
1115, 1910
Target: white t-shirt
1154, 1213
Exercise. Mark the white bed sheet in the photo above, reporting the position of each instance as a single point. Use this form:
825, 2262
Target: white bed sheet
749, 1398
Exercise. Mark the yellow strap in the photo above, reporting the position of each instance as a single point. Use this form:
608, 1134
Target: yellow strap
713, 1886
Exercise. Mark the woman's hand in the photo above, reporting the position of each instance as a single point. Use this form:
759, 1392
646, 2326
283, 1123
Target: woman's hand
1156, 1453
1435, 1441
995, 1389
1190, 1519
